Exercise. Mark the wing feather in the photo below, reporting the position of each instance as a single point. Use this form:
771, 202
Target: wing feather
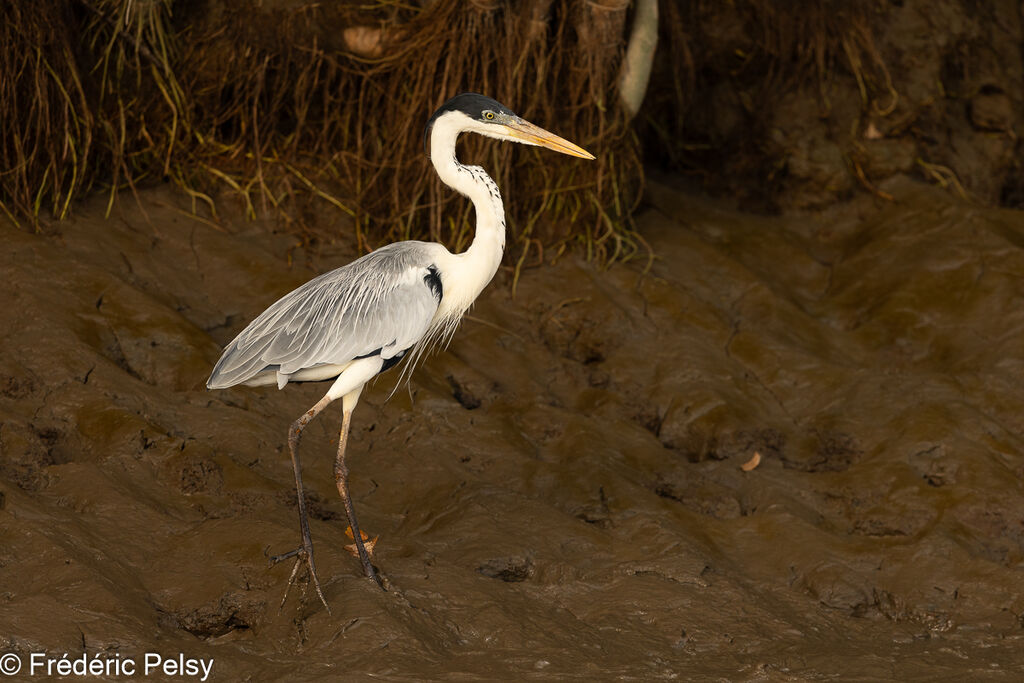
378, 303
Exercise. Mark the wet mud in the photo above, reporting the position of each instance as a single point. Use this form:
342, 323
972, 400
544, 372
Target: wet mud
561, 494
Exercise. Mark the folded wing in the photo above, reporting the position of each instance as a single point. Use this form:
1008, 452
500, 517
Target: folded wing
382, 303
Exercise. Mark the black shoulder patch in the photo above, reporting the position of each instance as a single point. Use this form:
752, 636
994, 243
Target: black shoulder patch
393, 361
386, 363
375, 352
433, 280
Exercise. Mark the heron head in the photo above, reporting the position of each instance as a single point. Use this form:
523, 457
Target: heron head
480, 114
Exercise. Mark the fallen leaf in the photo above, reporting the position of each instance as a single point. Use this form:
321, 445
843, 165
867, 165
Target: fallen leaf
351, 547
752, 463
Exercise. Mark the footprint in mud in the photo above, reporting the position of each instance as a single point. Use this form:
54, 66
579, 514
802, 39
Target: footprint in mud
583, 333
508, 569
699, 494
709, 428
993, 530
27, 452
597, 513
823, 451
935, 465
878, 508
16, 387
232, 612
200, 475
464, 394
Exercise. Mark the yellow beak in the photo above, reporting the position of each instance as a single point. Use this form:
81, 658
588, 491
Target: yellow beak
535, 135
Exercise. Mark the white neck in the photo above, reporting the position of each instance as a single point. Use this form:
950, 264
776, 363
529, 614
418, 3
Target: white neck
475, 267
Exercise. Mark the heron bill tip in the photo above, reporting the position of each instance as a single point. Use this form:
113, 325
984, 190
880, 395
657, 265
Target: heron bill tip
535, 135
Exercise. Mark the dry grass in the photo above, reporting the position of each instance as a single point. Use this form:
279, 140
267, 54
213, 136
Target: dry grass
46, 123
310, 111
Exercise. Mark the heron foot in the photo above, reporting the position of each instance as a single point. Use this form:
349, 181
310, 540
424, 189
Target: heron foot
302, 555
371, 571
363, 549
359, 549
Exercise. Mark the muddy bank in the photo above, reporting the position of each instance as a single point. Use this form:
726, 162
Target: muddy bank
560, 495
796, 110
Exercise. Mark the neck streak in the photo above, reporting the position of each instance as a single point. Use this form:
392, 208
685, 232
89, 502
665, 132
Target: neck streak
478, 264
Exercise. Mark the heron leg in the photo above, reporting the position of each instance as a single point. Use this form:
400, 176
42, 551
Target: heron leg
304, 553
341, 478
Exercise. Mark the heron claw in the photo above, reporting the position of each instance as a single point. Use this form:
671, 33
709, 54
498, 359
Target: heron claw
303, 555
283, 556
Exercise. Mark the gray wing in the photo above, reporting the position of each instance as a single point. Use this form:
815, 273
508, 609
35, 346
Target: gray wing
381, 303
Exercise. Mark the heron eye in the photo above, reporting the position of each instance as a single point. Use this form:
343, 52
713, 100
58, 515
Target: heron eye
489, 115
